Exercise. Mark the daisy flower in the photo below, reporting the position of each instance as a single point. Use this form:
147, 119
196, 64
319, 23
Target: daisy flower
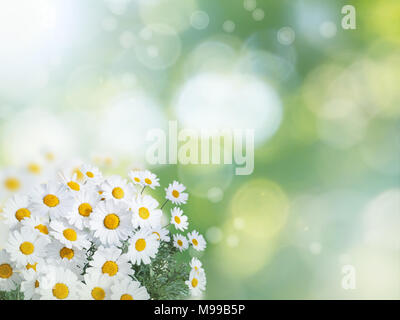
92, 174
52, 199
9, 277
70, 258
30, 284
97, 286
197, 240
83, 207
12, 181
117, 188
196, 265
175, 193
161, 233
196, 283
71, 181
150, 179
16, 210
110, 222
137, 177
126, 289
26, 247
180, 242
145, 212
179, 220
48, 155
143, 246
58, 283
38, 225
74, 168
68, 235
34, 168
111, 262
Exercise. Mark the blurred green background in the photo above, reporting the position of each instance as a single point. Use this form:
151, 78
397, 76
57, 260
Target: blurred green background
88, 79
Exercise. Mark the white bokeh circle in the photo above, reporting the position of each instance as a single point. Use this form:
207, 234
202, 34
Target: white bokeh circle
158, 46
217, 101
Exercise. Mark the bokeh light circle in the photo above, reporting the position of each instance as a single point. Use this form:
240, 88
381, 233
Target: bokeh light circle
228, 26
174, 13
158, 46
229, 101
215, 194
121, 130
258, 14
214, 235
328, 29
263, 207
286, 36
199, 20
126, 39
381, 220
249, 5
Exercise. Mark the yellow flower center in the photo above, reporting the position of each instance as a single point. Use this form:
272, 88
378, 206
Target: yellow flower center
12, 184
110, 267
126, 297
90, 174
60, 291
180, 243
144, 213
195, 242
67, 253
175, 193
111, 221
70, 234
195, 282
34, 168
50, 156
36, 284
74, 186
140, 244
98, 293
177, 220
85, 209
147, 180
158, 235
118, 193
22, 214
5, 271
31, 266
42, 228
51, 200
137, 179
108, 161
27, 248
79, 174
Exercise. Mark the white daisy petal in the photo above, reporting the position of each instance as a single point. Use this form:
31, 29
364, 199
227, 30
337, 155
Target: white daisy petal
58, 283
111, 222
175, 193
143, 247
126, 289
145, 213
179, 220
180, 242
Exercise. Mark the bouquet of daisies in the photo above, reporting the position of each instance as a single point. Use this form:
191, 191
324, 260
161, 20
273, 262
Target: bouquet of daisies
85, 236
